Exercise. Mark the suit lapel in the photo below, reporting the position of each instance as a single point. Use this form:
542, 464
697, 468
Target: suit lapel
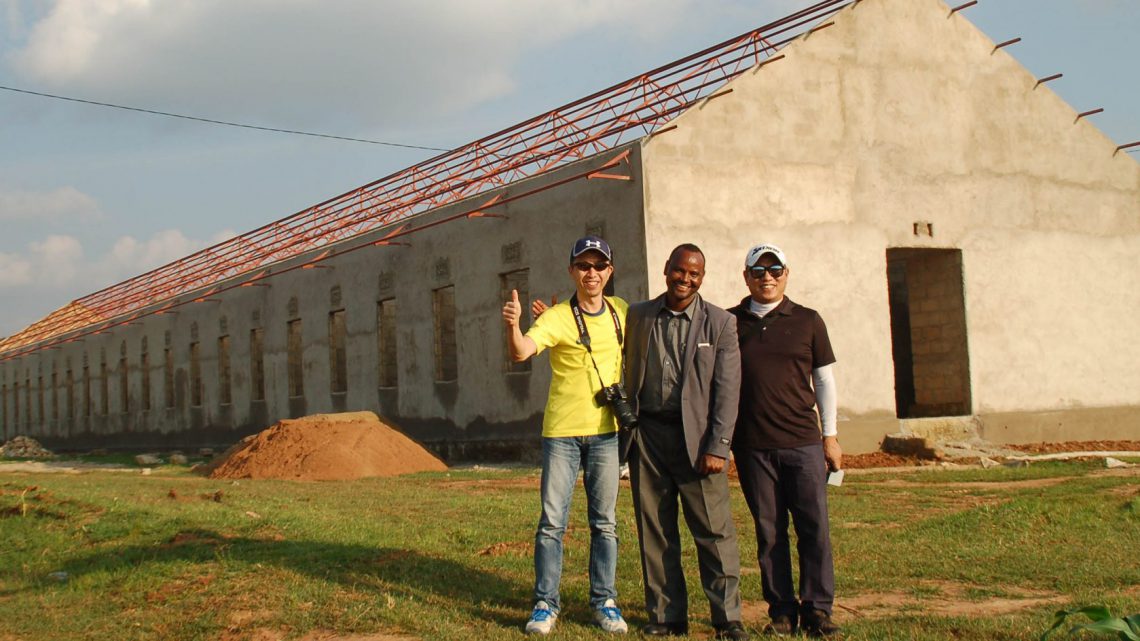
645, 330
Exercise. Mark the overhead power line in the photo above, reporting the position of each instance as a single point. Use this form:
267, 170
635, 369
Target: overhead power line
217, 122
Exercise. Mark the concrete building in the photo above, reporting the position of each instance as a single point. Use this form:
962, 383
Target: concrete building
968, 237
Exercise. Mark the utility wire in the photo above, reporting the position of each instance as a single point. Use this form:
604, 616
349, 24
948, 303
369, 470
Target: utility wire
217, 122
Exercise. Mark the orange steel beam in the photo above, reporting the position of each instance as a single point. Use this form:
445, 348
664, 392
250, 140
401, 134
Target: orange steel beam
580, 129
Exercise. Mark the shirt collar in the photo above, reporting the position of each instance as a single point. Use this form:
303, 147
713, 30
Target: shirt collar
688, 311
784, 308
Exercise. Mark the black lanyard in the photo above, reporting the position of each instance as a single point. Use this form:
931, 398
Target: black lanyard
584, 334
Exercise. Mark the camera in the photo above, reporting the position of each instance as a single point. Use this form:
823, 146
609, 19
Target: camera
615, 396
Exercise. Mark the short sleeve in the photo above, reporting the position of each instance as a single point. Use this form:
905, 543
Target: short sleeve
821, 353
621, 307
544, 332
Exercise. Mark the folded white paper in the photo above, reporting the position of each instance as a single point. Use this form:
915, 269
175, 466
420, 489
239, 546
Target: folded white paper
835, 478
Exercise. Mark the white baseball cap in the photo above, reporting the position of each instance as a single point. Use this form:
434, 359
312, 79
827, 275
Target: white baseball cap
756, 252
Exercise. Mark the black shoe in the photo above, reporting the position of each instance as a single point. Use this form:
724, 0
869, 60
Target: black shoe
781, 626
733, 631
668, 629
818, 623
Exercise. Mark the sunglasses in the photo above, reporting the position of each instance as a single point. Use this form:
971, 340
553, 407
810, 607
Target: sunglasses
600, 266
757, 271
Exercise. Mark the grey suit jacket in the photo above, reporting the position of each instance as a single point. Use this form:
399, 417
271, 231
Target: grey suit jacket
710, 374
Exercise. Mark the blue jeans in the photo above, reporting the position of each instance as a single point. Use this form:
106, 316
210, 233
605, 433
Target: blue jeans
561, 458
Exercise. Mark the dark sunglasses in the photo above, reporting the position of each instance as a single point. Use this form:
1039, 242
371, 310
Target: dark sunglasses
599, 266
757, 271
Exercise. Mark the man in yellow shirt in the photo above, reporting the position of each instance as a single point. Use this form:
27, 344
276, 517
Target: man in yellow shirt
584, 336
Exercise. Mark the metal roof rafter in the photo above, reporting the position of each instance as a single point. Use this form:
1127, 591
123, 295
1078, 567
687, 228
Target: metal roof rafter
579, 129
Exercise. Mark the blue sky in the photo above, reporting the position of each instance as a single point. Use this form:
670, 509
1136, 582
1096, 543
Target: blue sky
91, 196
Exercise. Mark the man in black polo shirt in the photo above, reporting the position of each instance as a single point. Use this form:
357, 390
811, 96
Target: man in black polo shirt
786, 362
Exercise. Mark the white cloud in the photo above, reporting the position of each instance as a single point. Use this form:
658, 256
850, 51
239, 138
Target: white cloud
57, 269
15, 270
348, 64
129, 257
64, 203
58, 260
13, 18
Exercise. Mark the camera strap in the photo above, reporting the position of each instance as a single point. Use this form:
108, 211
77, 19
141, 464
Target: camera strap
584, 333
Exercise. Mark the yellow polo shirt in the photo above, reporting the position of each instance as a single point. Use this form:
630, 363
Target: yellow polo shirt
570, 406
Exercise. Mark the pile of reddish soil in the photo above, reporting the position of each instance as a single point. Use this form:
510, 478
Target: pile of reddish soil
1077, 446
878, 459
325, 447
884, 459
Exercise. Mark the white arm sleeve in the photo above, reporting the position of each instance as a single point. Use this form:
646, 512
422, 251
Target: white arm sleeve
823, 380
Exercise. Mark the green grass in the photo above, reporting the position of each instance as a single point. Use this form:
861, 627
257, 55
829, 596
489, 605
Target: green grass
448, 555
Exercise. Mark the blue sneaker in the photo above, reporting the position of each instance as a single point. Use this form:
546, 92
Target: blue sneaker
542, 619
608, 618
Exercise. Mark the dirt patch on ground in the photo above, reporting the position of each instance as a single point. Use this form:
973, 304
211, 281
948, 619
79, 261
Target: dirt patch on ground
1005, 484
248, 625
939, 598
873, 460
977, 485
883, 459
489, 486
1077, 446
878, 459
375, 636
325, 447
518, 548
1125, 491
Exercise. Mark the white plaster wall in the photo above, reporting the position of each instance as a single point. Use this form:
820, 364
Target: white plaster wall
899, 113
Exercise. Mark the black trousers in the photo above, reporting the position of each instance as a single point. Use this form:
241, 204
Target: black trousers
660, 474
776, 484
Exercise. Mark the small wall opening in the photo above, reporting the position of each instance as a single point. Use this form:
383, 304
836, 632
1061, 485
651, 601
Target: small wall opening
257, 364
40, 416
168, 377
389, 372
104, 388
338, 353
87, 403
70, 382
144, 371
124, 386
446, 353
225, 385
294, 356
195, 375
928, 332
54, 396
518, 280
28, 403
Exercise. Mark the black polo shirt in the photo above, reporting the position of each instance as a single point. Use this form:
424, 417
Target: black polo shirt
777, 356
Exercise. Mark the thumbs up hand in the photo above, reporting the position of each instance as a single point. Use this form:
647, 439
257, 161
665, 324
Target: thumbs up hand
512, 310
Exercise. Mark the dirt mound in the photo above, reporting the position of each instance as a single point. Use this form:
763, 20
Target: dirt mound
24, 447
1077, 446
324, 447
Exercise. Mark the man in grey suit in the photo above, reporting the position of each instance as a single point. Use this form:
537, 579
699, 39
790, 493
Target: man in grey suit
682, 372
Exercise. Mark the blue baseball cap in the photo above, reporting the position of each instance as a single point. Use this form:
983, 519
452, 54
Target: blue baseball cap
591, 243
